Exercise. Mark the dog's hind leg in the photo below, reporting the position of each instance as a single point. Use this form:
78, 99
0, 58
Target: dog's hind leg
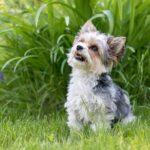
129, 118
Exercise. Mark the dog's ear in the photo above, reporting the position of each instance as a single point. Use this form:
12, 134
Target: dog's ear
88, 27
116, 48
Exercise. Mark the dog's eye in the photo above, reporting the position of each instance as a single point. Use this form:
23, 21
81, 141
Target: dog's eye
94, 48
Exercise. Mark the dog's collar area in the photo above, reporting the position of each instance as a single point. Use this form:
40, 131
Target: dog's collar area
103, 80
103, 83
104, 74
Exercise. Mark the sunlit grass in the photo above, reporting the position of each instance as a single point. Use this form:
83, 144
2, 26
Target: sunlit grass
51, 132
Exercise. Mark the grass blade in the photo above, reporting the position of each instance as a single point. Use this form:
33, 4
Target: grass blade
8, 62
132, 16
23, 59
38, 14
110, 19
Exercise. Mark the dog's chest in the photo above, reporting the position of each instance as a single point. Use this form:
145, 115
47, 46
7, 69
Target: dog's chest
81, 95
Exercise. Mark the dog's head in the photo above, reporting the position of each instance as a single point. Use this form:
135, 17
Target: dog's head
93, 51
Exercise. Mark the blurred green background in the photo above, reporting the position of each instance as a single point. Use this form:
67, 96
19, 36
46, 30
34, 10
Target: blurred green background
36, 35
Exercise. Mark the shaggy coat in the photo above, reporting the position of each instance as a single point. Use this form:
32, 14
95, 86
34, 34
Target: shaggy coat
93, 99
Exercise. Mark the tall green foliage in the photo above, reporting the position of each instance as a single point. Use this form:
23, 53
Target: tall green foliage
37, 36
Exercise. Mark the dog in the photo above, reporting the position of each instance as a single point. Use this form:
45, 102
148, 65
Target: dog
93, 98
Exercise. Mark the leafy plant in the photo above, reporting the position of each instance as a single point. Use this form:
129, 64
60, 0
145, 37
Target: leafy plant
37, 39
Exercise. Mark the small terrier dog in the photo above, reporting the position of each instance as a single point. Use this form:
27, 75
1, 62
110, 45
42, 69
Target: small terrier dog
93, 99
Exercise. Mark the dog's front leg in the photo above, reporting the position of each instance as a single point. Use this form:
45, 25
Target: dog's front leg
73, 122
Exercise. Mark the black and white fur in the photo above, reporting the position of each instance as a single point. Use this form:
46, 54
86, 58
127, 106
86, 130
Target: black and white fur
93, 99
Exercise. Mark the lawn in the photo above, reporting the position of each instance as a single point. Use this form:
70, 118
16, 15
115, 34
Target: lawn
18, 131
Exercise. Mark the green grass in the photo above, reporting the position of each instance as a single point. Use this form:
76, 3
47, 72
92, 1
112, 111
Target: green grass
32, 133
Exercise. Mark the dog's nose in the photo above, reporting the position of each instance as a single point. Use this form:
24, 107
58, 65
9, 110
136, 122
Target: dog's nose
79, 47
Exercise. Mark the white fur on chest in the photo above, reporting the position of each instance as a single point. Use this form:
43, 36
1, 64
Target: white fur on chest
81, 99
